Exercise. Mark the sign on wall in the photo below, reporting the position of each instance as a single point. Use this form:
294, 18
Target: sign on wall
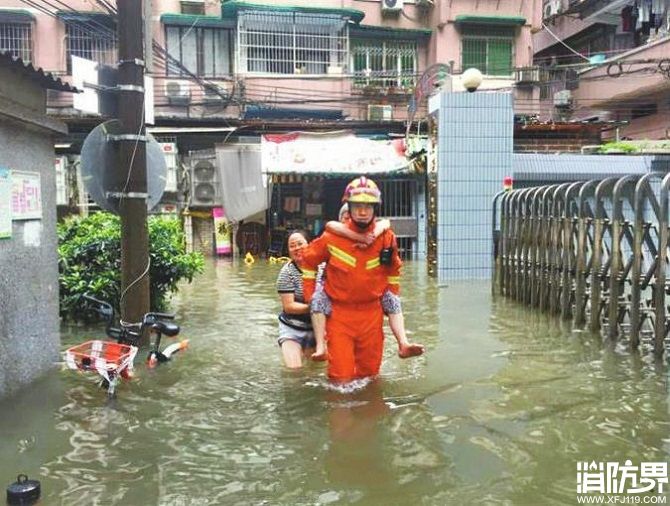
5, 204
26, 195
337, 153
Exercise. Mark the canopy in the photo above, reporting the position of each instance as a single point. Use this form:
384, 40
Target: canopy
337, 153
474, 19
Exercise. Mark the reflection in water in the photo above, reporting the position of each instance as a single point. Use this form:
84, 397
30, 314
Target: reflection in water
499, 410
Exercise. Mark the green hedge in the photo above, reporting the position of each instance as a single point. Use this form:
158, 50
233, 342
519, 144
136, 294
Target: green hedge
89, 254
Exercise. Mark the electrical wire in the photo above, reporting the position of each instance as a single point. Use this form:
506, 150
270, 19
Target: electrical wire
563, 43
285, 95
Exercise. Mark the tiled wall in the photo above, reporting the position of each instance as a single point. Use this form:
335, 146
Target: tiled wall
475, 143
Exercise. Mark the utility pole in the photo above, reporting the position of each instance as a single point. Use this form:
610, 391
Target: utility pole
132, 169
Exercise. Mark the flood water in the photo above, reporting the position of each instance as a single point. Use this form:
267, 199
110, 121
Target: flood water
499, 410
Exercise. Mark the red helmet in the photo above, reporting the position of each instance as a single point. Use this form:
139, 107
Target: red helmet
362, 190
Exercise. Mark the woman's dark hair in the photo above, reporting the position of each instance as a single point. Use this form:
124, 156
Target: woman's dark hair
300, 231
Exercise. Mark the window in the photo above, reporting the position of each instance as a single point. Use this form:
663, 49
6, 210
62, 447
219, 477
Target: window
384, 63
292, 43
16, 39
91, 42
204, 52
490, 49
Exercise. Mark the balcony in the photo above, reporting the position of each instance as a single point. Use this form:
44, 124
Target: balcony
615, 81
601, 11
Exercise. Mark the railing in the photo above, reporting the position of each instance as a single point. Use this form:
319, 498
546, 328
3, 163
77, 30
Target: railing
592, 251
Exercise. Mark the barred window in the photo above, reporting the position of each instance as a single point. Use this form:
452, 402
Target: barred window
489, 49
90, 42
16, 39
204, 52
384, 63
292, 43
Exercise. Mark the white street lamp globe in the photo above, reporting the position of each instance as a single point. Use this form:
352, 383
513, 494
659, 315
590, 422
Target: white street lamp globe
472, 79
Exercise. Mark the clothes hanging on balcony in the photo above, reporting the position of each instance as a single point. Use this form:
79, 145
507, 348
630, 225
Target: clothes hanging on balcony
660, 13
645, 11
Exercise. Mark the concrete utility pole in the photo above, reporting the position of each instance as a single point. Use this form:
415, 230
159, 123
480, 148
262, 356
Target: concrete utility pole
132, 170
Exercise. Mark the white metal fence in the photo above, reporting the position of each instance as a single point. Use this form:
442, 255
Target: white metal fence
292, 43
86, 43
16, 39
384, 63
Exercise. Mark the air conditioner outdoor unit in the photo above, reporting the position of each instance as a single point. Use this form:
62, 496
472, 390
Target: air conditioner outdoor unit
391, 6
193, 7
170, 154
177, 92
551, 8
563, 98
380, 112
213, 95
528, 75
205, 187
425, 3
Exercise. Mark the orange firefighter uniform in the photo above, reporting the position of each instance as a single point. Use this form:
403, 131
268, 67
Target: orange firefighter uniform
355, 282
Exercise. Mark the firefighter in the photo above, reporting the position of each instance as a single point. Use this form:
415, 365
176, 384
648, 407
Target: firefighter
356, 279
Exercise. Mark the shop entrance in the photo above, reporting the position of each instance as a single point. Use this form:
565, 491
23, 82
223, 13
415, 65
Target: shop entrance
309, 202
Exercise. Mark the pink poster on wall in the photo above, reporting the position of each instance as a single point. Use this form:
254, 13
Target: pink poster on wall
222, 232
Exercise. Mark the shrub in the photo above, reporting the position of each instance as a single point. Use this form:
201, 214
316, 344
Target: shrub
89, 261
618, 147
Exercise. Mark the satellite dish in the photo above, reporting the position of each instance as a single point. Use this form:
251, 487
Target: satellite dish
99, 162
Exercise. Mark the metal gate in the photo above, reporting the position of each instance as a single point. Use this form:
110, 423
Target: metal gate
400, 205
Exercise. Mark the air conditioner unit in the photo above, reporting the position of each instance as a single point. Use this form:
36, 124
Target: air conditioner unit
62, 193
213, 95
563, 98
170, 154
380, 112
391, 6
551, 8
425, 3
528, 75
204, 175
177, 92
196, 7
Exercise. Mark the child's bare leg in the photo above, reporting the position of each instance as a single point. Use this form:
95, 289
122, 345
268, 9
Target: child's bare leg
319, 326
405, 348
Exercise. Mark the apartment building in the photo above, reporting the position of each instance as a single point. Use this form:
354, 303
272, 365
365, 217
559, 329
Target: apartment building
231, 71
607, 60
236, 59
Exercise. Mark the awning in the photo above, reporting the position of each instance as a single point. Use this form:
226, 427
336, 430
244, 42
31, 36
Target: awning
45, 79
194, 20
16, 16
472, 19
163, 130
231, 8
385, 32
261, 112
331, 154
594, 9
